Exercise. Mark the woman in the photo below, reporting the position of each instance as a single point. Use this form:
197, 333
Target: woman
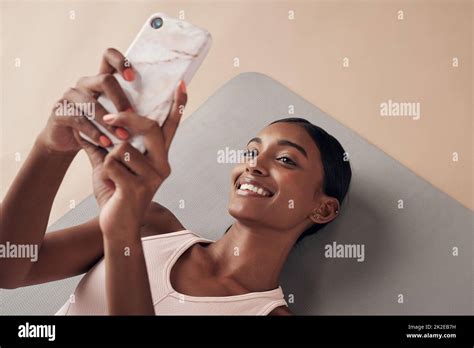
138, 257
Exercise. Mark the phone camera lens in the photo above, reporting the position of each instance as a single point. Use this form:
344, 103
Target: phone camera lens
156, 23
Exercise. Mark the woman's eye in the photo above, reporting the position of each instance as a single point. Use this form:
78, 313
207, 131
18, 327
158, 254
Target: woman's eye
253, 153
287, 160
250, 153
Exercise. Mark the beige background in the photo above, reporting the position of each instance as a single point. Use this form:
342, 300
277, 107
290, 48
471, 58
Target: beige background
403, 60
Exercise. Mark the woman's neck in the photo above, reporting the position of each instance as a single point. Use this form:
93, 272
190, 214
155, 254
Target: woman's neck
252, 257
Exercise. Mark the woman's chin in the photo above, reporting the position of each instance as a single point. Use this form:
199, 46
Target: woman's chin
244, 213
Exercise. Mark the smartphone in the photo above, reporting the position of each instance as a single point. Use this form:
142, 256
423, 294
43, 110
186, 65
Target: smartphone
165, 51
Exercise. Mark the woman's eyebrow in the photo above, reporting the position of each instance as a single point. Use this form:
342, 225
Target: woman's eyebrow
283, 142
256, 139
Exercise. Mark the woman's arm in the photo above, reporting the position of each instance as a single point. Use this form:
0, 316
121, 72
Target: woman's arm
124, 185
74, 250
63, 253
26, 207
127, 283
25, 210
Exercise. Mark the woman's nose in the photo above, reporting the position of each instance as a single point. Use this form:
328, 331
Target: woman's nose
253, 170
256, 165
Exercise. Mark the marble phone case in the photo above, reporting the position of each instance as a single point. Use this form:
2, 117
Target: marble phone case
160, 58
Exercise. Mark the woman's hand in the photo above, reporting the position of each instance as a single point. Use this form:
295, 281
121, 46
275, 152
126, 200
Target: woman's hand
57, 136
125, 180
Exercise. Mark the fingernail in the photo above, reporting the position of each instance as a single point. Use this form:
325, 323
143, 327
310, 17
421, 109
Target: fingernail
105, 141
121, 133
129, 74
109, 118
182, 87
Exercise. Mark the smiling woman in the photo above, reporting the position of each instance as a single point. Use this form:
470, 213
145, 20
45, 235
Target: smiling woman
137, 256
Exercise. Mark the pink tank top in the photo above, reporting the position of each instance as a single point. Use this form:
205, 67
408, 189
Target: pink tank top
161, 253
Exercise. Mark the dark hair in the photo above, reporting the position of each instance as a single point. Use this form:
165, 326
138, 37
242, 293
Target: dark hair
337, 169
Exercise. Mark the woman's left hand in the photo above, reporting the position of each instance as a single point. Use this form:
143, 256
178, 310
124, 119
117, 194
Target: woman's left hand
125, 180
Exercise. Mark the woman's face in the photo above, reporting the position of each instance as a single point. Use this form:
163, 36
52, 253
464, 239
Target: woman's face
287, 166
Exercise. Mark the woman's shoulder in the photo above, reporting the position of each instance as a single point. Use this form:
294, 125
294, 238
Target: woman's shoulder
160, 220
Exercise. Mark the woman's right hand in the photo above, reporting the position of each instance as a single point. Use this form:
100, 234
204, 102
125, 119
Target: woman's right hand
57, 136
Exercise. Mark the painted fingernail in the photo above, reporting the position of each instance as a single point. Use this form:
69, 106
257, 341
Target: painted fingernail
109, 118
182, 87
129, 74
121, 133
105, 141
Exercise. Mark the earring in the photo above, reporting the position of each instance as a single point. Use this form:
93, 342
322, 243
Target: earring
337, 211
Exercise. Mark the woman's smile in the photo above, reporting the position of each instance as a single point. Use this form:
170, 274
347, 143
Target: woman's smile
247, 191
249, 187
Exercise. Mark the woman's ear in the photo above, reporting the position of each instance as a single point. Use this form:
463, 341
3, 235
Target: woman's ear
326, 211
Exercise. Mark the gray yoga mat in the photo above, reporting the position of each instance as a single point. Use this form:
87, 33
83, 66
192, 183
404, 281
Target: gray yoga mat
408, 251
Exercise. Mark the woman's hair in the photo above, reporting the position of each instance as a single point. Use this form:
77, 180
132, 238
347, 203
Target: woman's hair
337, 169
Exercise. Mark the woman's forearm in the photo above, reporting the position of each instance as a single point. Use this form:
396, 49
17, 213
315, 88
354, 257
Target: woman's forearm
127, 285
26, 207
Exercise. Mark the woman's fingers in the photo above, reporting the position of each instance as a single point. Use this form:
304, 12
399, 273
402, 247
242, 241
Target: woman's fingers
96, 154
89, 107
106, 84
135, 123
130, 169
174, 117
157, 139
119, 174
91, 87
152, 137
121, 165
84, 102
115, 163
78, 120
114, 61
132, 159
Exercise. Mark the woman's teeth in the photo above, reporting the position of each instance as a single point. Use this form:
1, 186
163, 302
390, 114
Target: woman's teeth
258, 190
